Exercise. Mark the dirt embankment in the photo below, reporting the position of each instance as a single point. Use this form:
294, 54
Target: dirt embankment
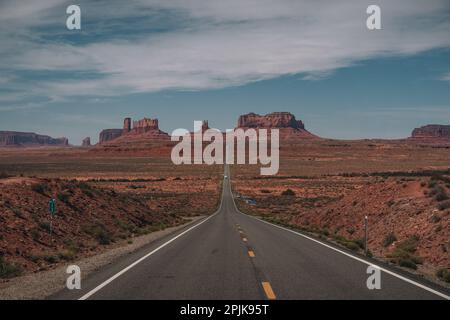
88, 220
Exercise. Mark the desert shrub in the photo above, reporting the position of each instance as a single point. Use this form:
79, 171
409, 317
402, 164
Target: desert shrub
45, 226
17, 213
389, 239
444, 274
325, 232
67, 255
4, 175
404, 254
435, 218
63, 197
50, 258
113, 193
35, 234
351, 245
71, 245
88, 193
34, 258
86, 189
84, 186
432, 184
134, 186
103, 238
8, 270
126, 226
38, 187
99, 233
440, 193
407, 263
440, 177
444, 205
288, 192
360, 242
410, 244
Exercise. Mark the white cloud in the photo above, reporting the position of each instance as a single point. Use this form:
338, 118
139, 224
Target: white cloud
227, 43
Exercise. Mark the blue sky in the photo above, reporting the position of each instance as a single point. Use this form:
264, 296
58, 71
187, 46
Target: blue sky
182, 61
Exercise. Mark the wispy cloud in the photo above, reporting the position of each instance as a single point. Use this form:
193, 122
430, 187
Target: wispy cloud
210, 44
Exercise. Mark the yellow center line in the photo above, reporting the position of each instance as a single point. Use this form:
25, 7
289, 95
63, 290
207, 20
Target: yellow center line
251, 254
268, 290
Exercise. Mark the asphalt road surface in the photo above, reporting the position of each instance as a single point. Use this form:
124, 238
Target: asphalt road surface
233, 256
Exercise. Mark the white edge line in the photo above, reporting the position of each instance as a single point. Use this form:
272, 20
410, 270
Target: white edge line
440, 294
118, 274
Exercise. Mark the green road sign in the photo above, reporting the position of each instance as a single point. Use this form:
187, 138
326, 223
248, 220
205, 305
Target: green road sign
52, 206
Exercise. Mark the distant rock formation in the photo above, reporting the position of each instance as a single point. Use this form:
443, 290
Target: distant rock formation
25, 139
109, 134
144, 125
144, 128
432, 131
284, 121
86, 142
271, 120
205, 125
126, 125
203, 128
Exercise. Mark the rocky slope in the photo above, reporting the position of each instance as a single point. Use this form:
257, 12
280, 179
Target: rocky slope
87, 219
409, 217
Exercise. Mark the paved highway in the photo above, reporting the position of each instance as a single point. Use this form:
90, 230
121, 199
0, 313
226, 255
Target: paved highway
230, 255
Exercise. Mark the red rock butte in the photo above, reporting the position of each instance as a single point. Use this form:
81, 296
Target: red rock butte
432, 131
290, 128
142, 129
86, 142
